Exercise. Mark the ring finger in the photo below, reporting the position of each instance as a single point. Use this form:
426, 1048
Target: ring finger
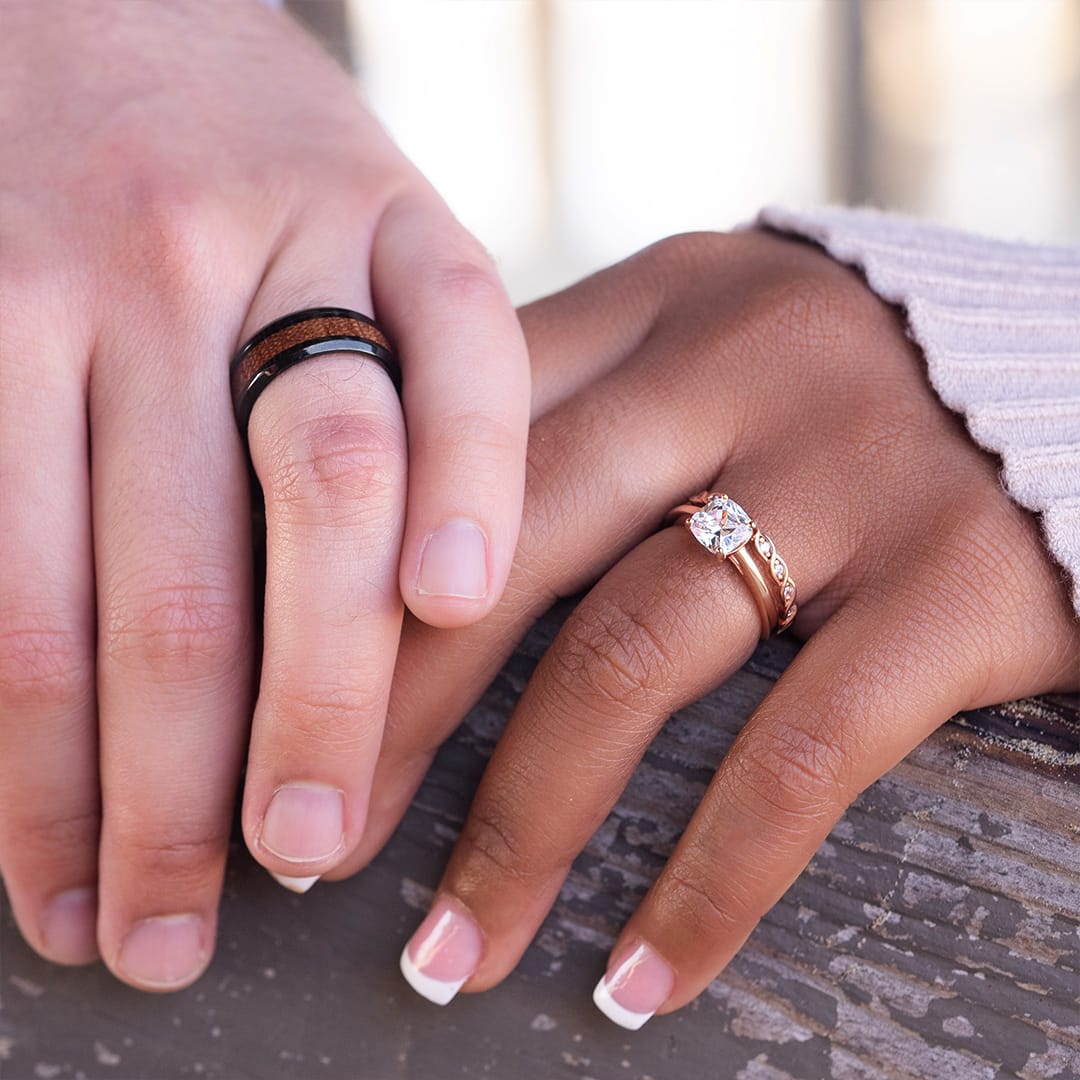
327, 442
661, 628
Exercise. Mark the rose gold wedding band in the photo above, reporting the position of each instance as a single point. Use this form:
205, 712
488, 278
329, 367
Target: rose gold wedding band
724, 528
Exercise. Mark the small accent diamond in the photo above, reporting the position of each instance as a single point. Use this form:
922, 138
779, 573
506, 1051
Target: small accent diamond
788, 593
722, 525
778, 568
764, 545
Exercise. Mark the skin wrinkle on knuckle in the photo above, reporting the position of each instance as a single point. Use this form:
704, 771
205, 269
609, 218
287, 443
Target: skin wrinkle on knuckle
467, 281
331, 718
172, 246
689, 896
794, 775
672, 258
172, 852
808, 311
813, 312
345, 465
474, 445
488, 839
190, 629
612, 661
43, 665
49, 833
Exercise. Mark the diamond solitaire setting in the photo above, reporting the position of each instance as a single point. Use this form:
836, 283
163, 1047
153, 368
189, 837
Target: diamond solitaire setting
721, 525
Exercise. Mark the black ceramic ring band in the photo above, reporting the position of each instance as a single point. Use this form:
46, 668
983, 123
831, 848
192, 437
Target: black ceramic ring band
298, 337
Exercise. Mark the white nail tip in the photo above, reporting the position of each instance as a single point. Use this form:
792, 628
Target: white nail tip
295, 884
614, 1011
435, 990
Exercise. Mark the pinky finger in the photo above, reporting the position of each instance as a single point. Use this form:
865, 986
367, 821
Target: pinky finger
466, 397
848, 708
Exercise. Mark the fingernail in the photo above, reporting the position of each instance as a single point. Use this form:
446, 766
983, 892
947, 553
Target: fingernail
296, 884
454, 562
443, 953
164, 952
304, 823
631, 993
69, 927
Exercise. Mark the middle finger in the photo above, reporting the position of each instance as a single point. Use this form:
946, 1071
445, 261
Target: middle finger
174, 643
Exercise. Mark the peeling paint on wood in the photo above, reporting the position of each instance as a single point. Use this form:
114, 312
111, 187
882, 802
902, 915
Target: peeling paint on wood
935, 935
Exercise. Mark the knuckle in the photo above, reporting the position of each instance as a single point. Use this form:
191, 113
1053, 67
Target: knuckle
191, 628
344, 464
332, 717
804, 304
174, 225
50, 830
490, 838
794, 773
467, 281
43, 665
804, 307
176, 851
673, 254
691, 898
476, 446
613, 661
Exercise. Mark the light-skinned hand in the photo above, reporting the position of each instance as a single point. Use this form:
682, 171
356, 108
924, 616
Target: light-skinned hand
175, 176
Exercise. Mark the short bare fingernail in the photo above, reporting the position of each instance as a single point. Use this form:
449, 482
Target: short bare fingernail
454, 562
304, 823
443, 953
163, 953
69, 927
295, 884
635, 989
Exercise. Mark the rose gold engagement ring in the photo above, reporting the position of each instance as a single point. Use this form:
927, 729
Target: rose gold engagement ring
723, 527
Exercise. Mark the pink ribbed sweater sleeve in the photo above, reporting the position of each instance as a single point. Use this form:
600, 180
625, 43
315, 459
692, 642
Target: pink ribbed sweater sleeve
999, 325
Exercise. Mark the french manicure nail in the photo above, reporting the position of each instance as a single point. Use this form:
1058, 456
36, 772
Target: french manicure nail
295, 884
454, 562
164, 952
635, 989
69, 927
304, 823
443, 953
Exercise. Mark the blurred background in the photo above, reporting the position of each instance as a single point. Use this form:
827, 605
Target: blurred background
567, 134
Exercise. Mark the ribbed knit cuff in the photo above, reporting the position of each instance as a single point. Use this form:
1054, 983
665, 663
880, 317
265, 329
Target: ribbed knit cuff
999, 325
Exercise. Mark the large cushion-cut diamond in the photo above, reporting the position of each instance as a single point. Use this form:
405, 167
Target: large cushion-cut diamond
722, 525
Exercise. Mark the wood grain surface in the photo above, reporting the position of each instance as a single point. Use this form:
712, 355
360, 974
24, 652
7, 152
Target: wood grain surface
935, 935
